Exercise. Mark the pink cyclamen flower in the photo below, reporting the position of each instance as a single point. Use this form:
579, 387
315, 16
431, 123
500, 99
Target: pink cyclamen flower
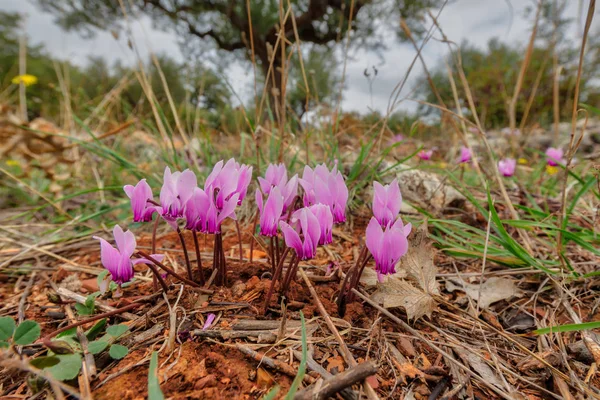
507, 166
176, 190
118, 260
554, 156
203, 215
325, 218
229, 178
387, 201
141, 201
325, 187
276, 176
303, 234
465, 155
270, 212
387, 246
425, 154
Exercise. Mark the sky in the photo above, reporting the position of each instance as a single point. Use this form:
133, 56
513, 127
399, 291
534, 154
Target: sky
474, 20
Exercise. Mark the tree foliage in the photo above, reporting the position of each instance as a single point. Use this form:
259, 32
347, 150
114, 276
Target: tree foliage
492, 74
251, 30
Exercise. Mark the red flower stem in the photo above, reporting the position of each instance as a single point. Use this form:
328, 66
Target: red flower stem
198, 258
252, 241
158, 277
92, 319
272, 256
185, 254
276, 242
154, 281
276, 276
167, 269
289, 276
239, 233
223, 261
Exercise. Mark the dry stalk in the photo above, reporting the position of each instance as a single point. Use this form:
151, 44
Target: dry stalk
573, 145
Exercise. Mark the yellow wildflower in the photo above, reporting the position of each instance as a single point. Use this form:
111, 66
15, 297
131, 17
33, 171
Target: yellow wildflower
522, 161
551, 169
442, 165
12, 163
26, 79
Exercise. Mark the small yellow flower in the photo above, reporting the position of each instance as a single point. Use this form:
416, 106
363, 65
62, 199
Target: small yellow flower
26, 79
442, 165
12, 163
551, 170
522, 161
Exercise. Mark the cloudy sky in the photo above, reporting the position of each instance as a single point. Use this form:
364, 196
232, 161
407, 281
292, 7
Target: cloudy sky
474, 20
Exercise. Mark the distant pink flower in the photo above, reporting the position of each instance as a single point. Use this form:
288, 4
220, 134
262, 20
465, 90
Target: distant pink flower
397, 138
210, 318
325, 218
473, 129
271, 212
276, 176
387, 201
141, 201
387, 246
303, 234
554, 156
507, 166
202, 214
425, 154
176, 190
325, 187
118, 260
511, 132
465, 155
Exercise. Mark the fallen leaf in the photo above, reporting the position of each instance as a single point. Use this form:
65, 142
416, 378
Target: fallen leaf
369, 277
492, 290
400, 293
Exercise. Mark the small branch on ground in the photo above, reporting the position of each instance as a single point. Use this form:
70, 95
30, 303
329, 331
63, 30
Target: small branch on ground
338, 382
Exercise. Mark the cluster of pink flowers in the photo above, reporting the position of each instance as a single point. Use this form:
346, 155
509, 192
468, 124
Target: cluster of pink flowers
202, 209
325, 198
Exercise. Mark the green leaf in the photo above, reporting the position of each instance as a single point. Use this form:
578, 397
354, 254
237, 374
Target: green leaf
68, 332
96, 329
117, 351
568, 328
27, 333
67, 368
302, 368
154, 392
83, 309
45, 362
7, 327
4, 345
97, 346
117, 330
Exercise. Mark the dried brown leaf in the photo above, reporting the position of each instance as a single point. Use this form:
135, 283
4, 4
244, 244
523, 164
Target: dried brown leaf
492, 290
